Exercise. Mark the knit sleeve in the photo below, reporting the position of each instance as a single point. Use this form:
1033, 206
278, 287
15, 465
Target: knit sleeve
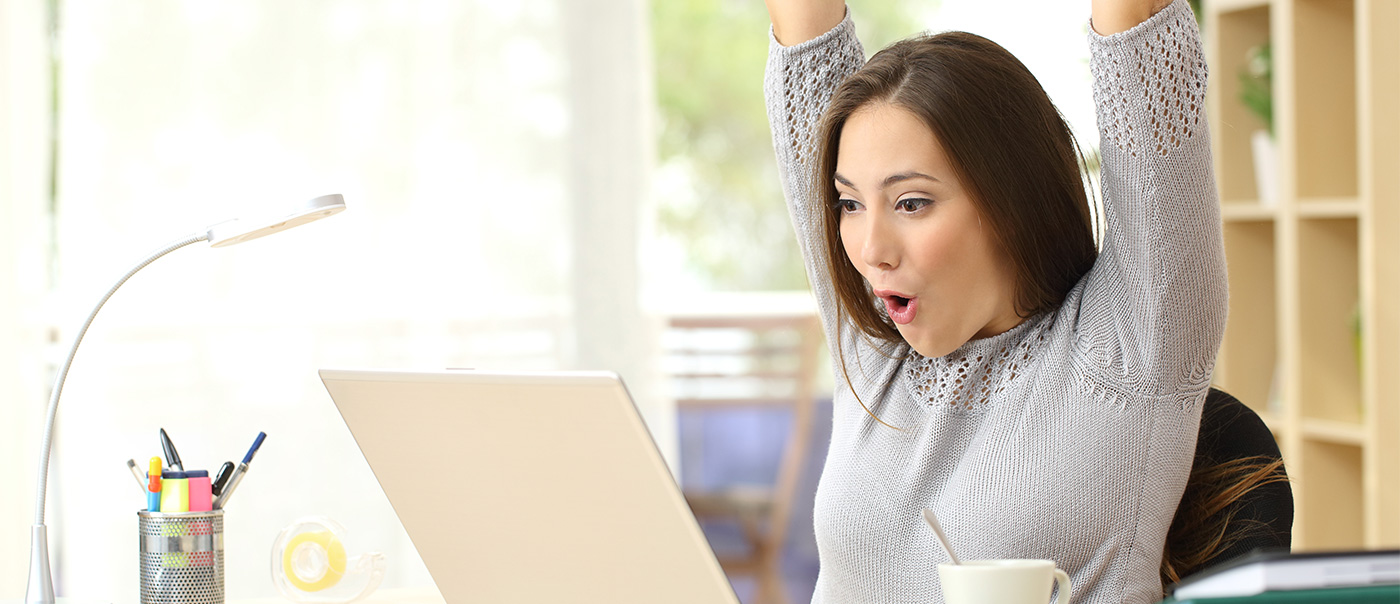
1152, 313
798, 83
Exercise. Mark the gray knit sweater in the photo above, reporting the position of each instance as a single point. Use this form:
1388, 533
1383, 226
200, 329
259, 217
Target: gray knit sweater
1070, 436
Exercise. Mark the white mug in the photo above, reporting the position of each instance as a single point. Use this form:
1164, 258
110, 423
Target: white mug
1002, 582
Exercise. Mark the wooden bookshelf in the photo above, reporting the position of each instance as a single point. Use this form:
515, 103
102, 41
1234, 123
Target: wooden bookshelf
1305, 267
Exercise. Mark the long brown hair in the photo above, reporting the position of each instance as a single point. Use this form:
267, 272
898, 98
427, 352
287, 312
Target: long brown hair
1007, 144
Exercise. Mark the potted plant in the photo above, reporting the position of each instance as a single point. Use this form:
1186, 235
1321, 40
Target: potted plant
1256, 92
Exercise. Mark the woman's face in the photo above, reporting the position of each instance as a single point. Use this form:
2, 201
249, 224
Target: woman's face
913, 232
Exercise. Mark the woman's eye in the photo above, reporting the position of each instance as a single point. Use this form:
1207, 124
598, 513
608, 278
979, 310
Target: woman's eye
912, 204
847, 205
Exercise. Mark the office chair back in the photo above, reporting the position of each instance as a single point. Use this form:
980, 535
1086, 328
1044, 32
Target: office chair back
1261, 517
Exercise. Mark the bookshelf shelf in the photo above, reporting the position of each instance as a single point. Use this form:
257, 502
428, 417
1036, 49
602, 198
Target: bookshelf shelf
1314, 286
1228, 6
1329, 208
1249, 211
1335, 432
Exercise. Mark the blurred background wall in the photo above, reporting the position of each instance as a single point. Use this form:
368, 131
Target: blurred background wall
494, 158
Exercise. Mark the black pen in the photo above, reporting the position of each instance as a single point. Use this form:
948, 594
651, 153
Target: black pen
172, 457
221, 479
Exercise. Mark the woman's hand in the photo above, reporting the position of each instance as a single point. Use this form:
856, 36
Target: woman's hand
1113, 16
797, 21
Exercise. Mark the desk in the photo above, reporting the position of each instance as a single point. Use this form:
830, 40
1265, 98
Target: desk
418, 595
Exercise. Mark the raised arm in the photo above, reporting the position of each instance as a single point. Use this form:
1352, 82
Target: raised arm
810, 54
1153, 308
1114, 16
797, 21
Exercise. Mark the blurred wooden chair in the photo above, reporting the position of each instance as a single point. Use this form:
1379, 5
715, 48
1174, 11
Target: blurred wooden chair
775, 367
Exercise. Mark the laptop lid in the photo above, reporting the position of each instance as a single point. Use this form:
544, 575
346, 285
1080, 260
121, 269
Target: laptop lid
529, 486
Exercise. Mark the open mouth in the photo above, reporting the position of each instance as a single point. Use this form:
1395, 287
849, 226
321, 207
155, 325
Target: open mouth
900, 308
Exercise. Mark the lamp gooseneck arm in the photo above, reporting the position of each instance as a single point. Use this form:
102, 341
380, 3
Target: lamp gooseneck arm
40, 587
67, 362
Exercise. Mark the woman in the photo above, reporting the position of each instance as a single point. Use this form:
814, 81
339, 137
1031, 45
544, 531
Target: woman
1041, 397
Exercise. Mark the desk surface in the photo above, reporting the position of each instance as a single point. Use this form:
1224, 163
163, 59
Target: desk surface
421, 595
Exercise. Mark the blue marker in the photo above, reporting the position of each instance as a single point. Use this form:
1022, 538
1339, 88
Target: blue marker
257, 443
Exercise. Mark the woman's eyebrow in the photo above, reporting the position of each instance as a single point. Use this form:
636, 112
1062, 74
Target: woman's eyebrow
903, 176
889, 180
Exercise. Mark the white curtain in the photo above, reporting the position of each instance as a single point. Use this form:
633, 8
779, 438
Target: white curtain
465, 139
23, 186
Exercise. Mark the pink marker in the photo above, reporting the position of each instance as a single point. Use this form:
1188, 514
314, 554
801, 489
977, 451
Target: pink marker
201, 495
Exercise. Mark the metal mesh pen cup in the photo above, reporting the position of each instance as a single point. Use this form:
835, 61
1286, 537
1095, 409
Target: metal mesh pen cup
182, 557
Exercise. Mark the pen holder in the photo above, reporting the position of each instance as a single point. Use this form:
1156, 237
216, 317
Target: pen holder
182, 557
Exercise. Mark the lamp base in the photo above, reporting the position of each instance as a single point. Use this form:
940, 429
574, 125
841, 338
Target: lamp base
39, 578
39, 590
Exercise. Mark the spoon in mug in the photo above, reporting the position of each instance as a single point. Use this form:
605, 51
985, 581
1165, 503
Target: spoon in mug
938, 530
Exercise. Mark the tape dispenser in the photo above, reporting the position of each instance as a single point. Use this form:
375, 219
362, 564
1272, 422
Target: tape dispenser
309, 564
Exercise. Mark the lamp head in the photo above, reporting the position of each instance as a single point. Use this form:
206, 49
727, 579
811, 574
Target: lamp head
238, 231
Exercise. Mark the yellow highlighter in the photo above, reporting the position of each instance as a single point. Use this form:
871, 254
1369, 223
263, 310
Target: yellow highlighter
174, 492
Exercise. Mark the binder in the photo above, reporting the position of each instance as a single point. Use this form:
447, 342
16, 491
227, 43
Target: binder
1373, 594
1279, 570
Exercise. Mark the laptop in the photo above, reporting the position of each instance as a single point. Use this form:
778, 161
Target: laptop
529, 486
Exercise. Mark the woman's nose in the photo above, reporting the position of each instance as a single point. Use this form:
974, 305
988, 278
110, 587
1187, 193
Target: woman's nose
881, 250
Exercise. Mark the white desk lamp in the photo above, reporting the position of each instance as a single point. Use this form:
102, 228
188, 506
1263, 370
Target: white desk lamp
40, 588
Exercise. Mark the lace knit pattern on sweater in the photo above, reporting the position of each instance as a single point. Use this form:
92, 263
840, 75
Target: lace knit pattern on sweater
1070, 436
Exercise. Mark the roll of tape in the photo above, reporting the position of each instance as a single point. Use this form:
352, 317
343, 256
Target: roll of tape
313, 561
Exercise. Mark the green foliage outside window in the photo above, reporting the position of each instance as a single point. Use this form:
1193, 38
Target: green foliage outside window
709, 57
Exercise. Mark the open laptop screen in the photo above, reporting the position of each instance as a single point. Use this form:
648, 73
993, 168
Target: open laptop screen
529, 486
